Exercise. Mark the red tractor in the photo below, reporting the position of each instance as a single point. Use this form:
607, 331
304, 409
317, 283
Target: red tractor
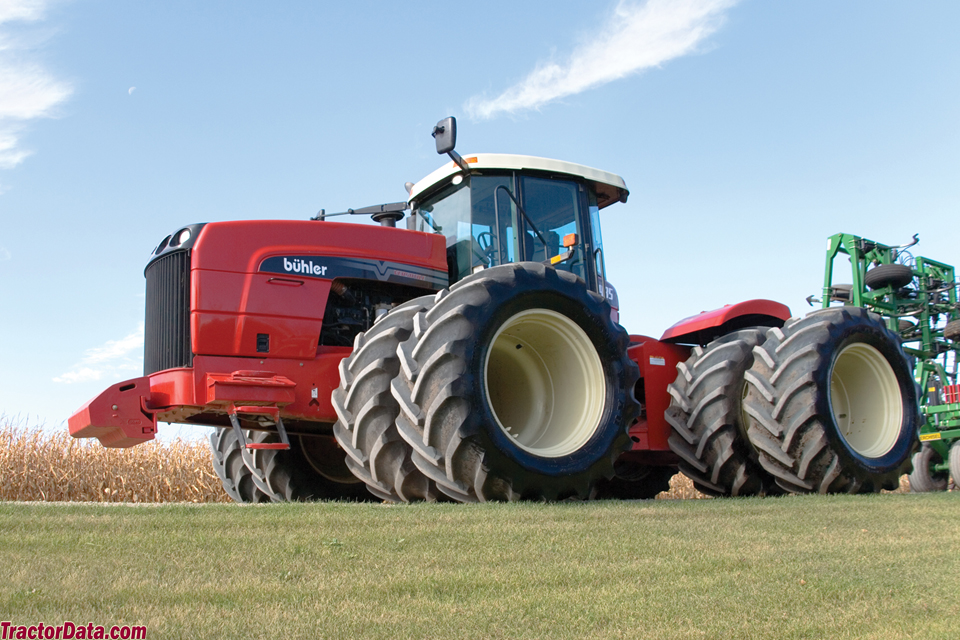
476, 355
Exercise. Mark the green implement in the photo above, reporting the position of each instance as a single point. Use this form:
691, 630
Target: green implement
917, 299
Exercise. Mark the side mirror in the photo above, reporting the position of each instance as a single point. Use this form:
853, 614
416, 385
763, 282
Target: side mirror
445, 134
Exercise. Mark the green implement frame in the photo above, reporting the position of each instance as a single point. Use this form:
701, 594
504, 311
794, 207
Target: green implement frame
918, 312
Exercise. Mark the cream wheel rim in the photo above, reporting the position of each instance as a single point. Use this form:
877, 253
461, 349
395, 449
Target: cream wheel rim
865, 400
544, 382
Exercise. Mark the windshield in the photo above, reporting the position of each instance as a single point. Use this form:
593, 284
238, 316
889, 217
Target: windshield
466, 214
479, 218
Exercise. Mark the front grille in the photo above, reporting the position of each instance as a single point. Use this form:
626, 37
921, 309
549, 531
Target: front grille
166, 342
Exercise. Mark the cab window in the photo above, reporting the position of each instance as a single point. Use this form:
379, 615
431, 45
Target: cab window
553, 209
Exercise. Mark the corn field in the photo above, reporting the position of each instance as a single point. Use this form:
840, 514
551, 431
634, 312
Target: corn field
40, 466
36, 465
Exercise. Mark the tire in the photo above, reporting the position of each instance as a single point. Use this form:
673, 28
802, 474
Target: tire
922, 479
810, 382
228, 464
952, 330
293, 475
632, 481
516, 385
366, 429
706, 416
888, 275
954, 460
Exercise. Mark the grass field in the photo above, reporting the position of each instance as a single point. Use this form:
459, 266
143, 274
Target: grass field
880, 566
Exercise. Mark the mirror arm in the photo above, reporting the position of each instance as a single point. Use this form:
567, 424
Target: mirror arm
458, 160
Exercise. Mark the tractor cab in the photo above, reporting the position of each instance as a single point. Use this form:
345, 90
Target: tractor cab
496, 209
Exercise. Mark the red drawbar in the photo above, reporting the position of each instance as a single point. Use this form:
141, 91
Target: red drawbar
119, 416
267, 445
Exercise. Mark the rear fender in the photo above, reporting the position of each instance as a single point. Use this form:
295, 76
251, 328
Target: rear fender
707, 326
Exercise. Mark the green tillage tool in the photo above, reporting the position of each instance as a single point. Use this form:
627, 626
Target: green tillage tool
917, 297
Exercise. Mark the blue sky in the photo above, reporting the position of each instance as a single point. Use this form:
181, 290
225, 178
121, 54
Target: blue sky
746, 131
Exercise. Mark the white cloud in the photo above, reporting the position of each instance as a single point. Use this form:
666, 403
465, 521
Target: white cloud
114, 349
113, 357
4, 252
635, 37
10, 155
21, 10
131, 90
27, 91
80, 375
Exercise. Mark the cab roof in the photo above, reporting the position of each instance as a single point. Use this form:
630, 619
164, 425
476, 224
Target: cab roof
610, 187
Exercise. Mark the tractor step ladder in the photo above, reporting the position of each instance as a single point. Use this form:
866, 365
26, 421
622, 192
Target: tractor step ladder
272, 412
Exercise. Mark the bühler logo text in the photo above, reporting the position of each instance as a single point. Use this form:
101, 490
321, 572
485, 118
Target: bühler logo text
305, 267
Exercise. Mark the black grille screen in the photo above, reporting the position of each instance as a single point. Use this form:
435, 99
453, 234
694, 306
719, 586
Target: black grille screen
166, 342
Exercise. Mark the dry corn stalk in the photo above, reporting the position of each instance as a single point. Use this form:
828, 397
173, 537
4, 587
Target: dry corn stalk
40, 465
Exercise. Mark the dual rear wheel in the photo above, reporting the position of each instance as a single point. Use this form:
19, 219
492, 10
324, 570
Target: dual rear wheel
825, 404
513, 384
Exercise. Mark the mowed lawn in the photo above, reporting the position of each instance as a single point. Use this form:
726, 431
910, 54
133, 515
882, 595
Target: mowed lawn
884, 566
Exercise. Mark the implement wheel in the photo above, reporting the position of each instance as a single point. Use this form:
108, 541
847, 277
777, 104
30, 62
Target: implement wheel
516, 385
952, 330
831, 404
366, 430
706, 414
888, 275
954, 461
923, 479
